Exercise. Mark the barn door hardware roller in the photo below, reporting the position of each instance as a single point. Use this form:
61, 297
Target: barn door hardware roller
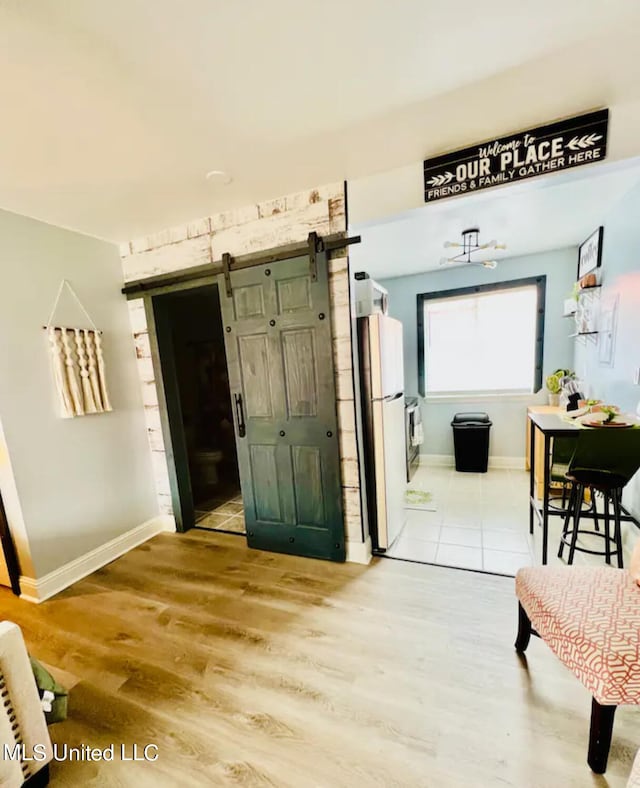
316, 246
226, 270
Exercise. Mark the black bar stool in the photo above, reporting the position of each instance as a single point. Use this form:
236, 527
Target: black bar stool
605, 459
562, 450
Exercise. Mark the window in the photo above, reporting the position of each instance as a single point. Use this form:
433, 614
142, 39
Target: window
484, 339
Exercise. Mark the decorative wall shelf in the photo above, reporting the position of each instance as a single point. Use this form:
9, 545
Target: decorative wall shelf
586, 313
584, 333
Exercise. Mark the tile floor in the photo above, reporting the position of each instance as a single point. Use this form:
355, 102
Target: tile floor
222, 513
481, 522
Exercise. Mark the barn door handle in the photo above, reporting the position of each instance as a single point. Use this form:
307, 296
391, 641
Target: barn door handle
242, 430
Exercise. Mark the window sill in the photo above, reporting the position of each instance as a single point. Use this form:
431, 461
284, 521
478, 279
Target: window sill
489, 397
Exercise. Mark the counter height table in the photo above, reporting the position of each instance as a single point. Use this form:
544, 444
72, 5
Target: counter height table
550, 425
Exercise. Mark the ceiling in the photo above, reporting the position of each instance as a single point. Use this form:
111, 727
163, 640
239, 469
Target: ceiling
112, 112
553, 212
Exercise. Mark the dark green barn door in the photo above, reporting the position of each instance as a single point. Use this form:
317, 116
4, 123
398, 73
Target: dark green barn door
279, 352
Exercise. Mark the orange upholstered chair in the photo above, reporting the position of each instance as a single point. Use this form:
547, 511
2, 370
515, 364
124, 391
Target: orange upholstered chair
590, 619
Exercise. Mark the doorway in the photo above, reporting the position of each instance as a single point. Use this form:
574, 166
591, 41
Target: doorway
459, 356
278, 356
202, 407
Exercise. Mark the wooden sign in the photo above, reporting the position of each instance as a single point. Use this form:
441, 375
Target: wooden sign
557, 146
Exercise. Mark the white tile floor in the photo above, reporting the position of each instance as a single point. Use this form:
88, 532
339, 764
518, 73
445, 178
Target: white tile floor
481, 522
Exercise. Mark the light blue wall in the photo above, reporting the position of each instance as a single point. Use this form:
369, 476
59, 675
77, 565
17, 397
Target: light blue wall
81, 482
507, 413
620, 276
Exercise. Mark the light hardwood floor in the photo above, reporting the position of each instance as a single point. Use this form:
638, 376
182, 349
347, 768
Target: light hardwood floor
256, 669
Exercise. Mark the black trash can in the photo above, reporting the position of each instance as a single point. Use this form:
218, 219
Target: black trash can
471, 441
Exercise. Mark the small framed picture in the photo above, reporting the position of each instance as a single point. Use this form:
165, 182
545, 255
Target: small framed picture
590, 253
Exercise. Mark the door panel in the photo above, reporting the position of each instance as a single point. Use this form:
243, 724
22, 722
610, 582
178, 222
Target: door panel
264, 466
281, 369
307, 474
294, 294
300, 372
248, 301
254, 363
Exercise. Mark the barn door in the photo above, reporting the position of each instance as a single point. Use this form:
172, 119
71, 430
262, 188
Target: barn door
279, 353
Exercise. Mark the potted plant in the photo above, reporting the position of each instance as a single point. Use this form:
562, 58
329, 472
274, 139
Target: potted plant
553, 387
554, 384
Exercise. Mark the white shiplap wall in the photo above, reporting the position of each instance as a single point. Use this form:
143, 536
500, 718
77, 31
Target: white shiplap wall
251, 229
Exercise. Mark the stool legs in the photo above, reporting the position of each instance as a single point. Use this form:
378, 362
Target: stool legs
576, 520
615, 494
613, 544
607, 529
600, 736
567, 518
594, 507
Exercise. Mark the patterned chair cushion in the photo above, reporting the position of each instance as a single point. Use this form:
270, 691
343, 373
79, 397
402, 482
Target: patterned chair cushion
590, 618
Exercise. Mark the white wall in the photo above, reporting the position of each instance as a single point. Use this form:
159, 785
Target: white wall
392, 191
507, 413
84, 481
620, 276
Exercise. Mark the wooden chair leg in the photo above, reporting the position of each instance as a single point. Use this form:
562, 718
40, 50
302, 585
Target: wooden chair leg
524, 630
600, 736
39, 780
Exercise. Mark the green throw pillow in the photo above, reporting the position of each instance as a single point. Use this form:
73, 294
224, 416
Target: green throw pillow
46, 683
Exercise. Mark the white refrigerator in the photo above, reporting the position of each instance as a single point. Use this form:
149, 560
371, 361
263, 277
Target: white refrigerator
382, 385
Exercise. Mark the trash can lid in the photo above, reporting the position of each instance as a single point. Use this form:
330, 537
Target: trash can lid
471, 419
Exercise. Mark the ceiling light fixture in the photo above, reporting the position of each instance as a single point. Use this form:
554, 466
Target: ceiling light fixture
470, 245
219, 176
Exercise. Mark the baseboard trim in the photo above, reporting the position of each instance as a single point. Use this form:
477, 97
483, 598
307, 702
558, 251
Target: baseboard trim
448, 461
436, 460
359, 552
37, 590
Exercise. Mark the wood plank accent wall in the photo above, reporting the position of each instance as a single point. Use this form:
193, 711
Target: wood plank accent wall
251, 229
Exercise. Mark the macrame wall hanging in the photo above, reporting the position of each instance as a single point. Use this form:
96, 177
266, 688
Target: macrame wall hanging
78, 364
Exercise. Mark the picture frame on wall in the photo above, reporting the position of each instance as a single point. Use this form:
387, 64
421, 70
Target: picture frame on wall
590, 253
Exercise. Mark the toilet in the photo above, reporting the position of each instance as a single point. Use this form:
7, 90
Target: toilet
206, 466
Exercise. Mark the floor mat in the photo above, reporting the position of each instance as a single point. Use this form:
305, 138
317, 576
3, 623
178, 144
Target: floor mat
419, 499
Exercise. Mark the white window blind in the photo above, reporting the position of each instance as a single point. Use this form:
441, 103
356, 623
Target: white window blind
484, 342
